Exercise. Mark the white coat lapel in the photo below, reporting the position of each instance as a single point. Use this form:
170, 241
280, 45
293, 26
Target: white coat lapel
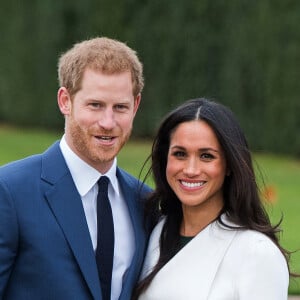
192, 271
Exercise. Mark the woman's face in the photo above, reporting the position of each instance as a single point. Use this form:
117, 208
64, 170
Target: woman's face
196, 167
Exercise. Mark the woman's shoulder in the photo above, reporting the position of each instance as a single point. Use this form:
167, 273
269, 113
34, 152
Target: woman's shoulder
251, 248
250, 240
251, 236
254, 260
253, 240
253, 244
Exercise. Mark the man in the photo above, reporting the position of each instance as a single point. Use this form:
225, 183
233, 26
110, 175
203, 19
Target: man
48, 202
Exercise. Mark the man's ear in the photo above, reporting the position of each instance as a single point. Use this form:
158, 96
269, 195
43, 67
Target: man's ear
64, 101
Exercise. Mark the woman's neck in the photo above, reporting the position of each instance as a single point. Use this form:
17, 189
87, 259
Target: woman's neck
195, 221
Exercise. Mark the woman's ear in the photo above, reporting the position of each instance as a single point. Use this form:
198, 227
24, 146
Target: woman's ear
64, 101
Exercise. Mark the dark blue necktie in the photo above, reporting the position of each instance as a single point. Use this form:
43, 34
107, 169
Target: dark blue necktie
105, 240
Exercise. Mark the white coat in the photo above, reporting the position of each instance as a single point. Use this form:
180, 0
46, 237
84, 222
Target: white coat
219, 264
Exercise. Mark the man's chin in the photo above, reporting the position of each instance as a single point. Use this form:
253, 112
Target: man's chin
106, 157
106, 154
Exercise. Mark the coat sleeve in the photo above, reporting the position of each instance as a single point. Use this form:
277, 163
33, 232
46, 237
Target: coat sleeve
263, 271
8, 236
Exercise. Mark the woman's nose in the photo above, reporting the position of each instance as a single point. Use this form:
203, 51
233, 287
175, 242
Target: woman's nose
192, 167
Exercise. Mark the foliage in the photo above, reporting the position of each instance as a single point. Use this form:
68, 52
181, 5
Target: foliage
242, 53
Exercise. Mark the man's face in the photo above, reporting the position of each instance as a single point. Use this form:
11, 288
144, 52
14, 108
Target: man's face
99, 118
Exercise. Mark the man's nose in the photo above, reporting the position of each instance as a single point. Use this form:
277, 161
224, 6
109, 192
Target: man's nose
107, 119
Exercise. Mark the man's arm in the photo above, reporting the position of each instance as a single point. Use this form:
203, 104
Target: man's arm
8, 236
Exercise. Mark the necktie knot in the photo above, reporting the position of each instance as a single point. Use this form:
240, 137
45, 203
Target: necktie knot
103, 184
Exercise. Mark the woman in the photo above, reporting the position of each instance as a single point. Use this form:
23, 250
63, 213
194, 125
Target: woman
214, 239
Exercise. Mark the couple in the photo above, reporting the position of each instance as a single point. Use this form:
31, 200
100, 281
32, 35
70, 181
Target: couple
212, 238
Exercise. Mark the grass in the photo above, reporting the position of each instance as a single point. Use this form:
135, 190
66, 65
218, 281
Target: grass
17, 143
281, 174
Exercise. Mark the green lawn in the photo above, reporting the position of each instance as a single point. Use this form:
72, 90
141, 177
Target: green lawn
281, 174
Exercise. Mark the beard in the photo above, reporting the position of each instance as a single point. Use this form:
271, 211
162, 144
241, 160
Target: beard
86, 147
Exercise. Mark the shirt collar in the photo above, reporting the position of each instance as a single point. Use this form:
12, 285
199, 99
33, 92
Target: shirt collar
84, 175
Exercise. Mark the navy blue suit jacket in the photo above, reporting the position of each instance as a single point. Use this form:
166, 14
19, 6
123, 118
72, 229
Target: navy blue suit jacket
45, 247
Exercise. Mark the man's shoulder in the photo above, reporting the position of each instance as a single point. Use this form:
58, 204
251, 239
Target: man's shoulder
23, 167
134, 183
129, 178
20, 164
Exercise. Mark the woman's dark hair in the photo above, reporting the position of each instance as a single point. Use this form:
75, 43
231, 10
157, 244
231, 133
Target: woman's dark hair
242, 203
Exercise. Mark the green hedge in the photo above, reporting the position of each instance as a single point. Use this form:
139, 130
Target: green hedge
243, 53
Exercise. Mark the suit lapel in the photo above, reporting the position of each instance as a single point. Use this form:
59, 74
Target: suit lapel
205, 254
130, 190
66, 205
193, 269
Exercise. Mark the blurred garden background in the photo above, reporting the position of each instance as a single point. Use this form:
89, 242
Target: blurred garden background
245, 54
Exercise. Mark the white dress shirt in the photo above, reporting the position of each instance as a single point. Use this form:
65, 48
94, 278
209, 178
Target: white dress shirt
85, 178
